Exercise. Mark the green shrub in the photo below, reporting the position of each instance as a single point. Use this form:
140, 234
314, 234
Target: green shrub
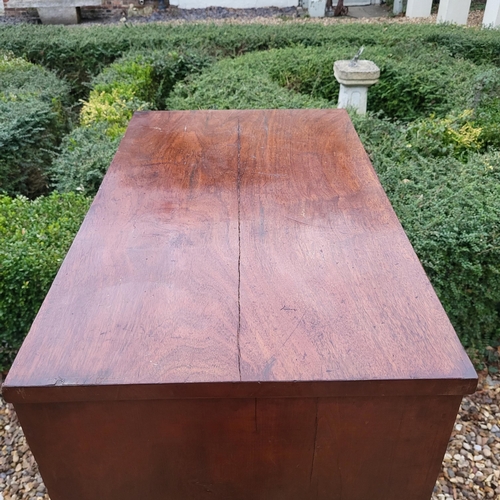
414, 82
454, 227
307, 70
112, 109
486, 105
455, 135
241, 83
32, 121
450, 211
34, 238
84, 159
81, 54
22, 79
123, 87
130, 74
174, 66
479, 46
136, 82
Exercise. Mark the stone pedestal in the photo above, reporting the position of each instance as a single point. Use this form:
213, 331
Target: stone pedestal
59, 15
419, 8
453, 11
491, 17
355, 78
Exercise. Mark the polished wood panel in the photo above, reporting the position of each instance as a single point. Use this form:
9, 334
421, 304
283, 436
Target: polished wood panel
148, 291
240, 317
239, 246
384, 448
331, 289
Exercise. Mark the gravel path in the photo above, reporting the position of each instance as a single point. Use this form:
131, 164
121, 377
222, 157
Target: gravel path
221, 15
272, 15
470, 467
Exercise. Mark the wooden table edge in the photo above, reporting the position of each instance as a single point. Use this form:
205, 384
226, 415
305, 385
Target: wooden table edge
240, 390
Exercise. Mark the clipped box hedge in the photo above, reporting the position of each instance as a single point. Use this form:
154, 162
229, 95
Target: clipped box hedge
415, 81
136, 81
32, 122
34, 238
448, 202
436, 150
80, 53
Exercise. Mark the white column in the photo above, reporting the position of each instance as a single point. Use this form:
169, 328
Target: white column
397, 8
353, 97
418, 8
453, 11
491, 18
317, 8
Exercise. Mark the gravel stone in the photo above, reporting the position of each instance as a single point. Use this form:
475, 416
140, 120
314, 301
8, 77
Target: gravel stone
471, 467
221, 15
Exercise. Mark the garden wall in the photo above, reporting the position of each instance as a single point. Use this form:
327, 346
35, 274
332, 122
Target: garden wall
111, 7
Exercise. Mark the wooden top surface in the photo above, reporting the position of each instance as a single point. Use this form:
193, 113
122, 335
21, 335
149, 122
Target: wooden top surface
240, 246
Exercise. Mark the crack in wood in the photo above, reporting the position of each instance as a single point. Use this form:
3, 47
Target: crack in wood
238, 191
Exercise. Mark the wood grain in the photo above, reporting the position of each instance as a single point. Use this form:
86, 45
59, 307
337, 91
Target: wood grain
241, 449
330, 286
229, 247
240, 317
148, 291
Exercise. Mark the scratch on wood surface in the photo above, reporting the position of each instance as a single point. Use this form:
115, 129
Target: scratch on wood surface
307, 223
59, 381
151, 127
286, 176
293, 331
266, 374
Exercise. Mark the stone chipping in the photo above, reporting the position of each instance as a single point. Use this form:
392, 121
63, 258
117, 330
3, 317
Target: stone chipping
471, 465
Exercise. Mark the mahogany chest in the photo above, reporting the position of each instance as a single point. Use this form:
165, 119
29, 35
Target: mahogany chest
240, 317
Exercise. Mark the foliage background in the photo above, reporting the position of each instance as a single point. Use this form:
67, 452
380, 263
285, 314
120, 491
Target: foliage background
433, 134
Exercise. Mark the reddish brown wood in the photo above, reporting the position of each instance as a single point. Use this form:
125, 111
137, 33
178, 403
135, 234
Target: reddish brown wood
240, 313
384, 448
331, 289
240, 245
